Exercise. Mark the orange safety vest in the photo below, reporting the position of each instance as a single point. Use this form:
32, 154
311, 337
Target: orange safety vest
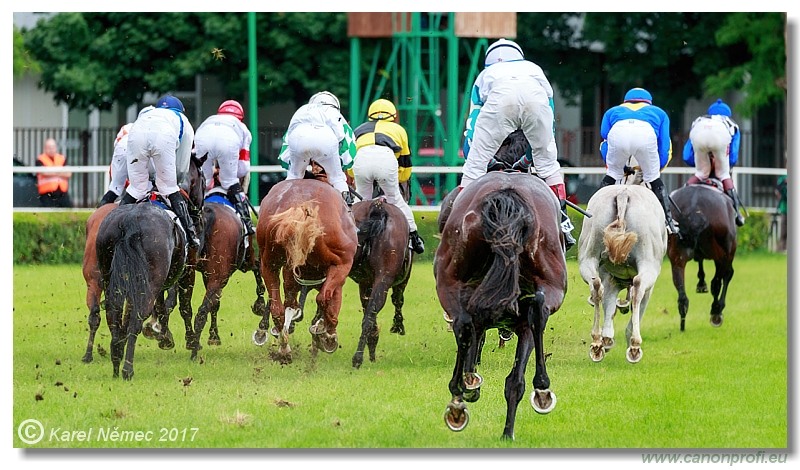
49, 183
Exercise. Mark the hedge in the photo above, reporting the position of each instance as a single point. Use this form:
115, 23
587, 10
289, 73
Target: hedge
60, 237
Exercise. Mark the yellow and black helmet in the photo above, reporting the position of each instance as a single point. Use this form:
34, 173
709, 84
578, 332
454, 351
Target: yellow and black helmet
382, 110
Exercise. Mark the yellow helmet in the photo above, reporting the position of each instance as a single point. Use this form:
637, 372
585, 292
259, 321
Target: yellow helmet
381, 110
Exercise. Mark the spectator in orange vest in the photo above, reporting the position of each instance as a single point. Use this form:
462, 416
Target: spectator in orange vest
53, 186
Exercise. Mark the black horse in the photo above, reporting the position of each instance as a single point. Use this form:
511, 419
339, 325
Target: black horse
142, 252
707, 232
501, 264
383, 261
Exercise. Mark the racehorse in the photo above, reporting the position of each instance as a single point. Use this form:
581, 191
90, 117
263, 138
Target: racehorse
501, 263
620, 247
226, 249
142, 252
92, 275
383, 261
708, 231
305, 231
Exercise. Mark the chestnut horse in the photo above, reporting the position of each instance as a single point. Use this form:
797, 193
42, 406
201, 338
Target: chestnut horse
501, 263
382, 262
226, 249
306, 233
708, 231
142, 252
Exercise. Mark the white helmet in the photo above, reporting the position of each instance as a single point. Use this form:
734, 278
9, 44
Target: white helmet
325, 97
503, 50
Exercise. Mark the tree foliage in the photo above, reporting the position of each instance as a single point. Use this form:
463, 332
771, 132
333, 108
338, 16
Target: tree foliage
23, 62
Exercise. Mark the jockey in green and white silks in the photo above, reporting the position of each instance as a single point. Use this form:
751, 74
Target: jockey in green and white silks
319, 132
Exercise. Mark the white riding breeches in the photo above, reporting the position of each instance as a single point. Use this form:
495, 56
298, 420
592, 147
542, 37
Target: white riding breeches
378, 163
150, 140
310, 142
223, 150
632, 137
711, 136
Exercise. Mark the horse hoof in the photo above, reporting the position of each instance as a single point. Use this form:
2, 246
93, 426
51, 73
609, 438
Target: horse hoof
398, 329
156, 327
317, 328
87, 359
329, 343
633, 355
608, 343
716, 320
471, 396
456, 416
472, 380
597, 352
505, 334
624, 306
448, 319
702, 289
358, 359
260, 337
148, 332
543, 401
591, 302
214, 341
166, 342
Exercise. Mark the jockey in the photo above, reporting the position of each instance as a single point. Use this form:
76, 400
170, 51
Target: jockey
715, 134
119, 164
513, 93
640, 129
164, 136
226, 140
383, 155
319, 132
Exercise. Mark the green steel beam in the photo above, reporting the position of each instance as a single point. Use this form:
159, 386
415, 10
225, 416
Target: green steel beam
253, 90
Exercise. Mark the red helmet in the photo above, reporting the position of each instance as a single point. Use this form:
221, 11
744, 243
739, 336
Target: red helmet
232, 107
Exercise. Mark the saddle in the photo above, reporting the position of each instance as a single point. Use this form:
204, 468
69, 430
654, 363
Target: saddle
217, 195
711, 182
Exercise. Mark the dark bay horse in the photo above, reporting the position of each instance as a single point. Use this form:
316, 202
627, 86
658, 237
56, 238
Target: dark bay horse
501, 263
142, 252
306, 233
226, 249
383, 261
708, 232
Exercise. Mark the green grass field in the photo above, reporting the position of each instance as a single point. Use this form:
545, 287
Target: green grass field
703, 388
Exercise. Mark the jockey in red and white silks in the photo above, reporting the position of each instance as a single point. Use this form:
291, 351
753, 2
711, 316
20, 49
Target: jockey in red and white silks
225, 141
319, 132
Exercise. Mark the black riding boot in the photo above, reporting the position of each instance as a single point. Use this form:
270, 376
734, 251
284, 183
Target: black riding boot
607, 181
108, 198
735, 198
348, 198
566, 226
416, 242
657, 186
180, 209
239, 201
126, 199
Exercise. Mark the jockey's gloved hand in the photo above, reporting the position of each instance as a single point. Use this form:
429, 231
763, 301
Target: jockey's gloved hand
521, 165
495, 165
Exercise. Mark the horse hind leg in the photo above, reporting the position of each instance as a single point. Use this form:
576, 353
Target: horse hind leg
543, 399
398, 299
596, 349
719, 290
94, 324
515, 381
702, 287
637, 292
365, 292
456, 415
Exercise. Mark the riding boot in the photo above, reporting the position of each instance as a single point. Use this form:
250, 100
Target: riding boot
607, 181
566, 226
127, 199
735, 198
239, 201
416, 242
108, 198
180, 209
657, 186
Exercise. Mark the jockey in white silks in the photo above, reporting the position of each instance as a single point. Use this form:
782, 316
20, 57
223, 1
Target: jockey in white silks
164, 136
715, 134
319, 132
513, 93
637, 128
225, 140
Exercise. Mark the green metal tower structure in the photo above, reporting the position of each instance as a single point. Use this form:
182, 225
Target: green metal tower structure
422, 65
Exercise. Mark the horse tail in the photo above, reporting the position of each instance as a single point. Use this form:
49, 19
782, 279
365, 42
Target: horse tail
297, 229
506, 222
618, 241
373, 225
130, 279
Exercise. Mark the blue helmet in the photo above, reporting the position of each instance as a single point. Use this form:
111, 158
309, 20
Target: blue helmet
719, 107
638, 95
169, 101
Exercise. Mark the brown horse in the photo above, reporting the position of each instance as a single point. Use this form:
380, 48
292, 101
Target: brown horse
226, 249
382, 262
708, 231
305, 231
500, 263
